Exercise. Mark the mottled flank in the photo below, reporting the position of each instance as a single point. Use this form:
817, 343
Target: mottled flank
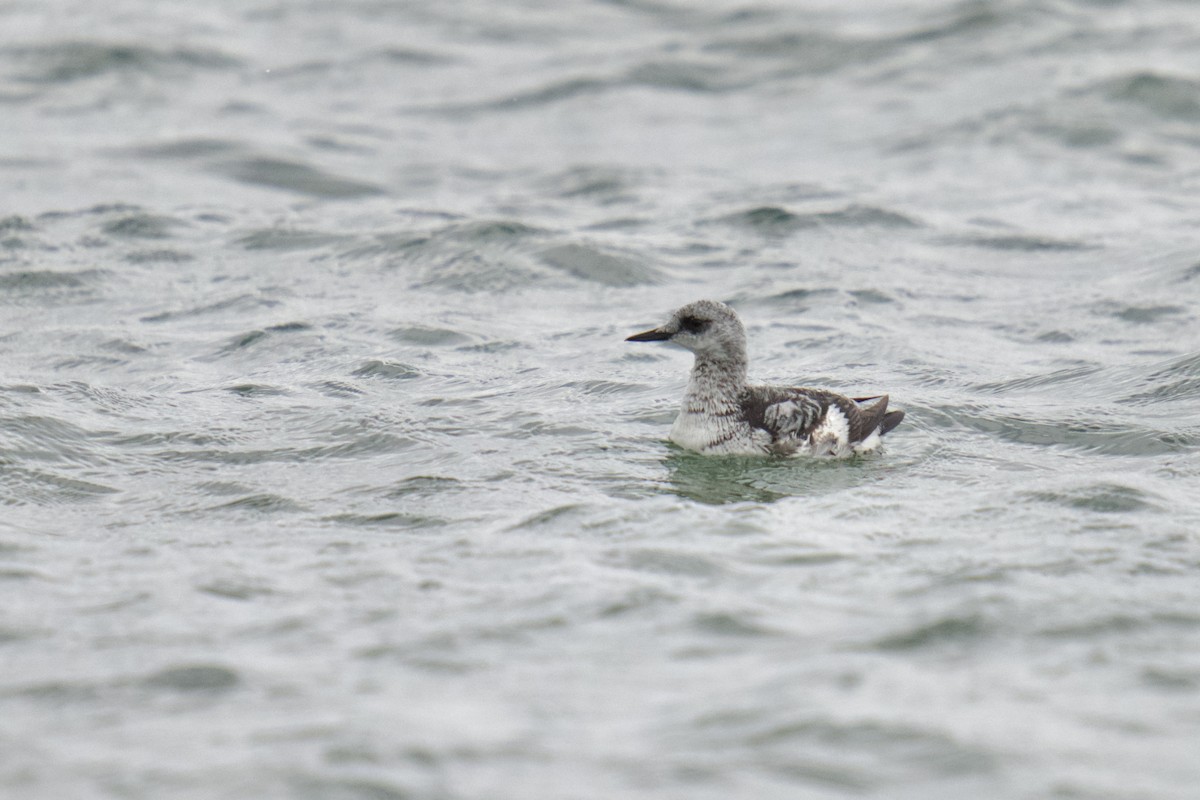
723, 415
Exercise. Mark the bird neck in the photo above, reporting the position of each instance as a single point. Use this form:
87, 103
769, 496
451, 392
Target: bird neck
716, 381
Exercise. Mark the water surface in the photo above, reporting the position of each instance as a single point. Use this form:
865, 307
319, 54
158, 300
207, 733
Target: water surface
326, 472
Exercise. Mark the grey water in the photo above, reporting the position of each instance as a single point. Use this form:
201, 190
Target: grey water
325, 471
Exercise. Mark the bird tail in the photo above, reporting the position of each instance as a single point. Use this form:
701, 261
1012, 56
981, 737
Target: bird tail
890, 420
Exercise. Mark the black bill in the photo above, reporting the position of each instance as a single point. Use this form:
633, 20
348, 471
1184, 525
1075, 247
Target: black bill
656, 335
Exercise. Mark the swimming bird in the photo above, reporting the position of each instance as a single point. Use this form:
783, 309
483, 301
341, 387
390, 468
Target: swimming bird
724, 415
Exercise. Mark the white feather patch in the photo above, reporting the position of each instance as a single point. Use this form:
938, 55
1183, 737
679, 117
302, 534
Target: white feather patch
870, 443
832, 436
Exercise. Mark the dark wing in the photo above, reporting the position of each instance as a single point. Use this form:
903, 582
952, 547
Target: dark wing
784, 413
795, 413
865, 419
889, 420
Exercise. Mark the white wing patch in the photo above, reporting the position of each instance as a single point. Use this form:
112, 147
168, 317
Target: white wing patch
832, 436
870, 443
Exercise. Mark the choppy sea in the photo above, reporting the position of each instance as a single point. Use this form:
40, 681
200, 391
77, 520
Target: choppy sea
325, 472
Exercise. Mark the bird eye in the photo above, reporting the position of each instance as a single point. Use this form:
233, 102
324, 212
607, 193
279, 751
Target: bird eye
692, 324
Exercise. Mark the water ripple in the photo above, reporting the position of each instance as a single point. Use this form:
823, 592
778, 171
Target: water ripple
1103, 436
294, 176
774, 220
590, 264
70, 61
1167, 96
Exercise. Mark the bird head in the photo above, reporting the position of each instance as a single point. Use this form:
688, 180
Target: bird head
707, 328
